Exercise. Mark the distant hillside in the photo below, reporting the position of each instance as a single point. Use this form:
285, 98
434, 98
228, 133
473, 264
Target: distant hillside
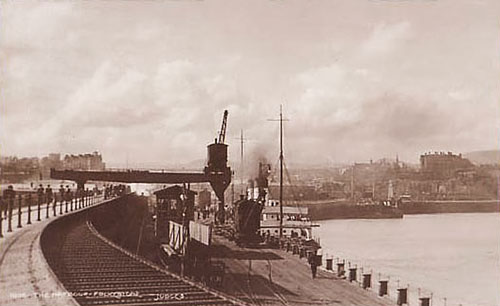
484, 157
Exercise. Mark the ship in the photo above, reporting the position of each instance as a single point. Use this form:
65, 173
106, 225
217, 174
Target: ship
261, 214
278, 220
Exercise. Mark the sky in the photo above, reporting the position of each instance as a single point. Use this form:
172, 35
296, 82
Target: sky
146, 82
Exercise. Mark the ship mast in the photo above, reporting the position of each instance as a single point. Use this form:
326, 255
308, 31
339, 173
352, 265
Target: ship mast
281, 167
281, 171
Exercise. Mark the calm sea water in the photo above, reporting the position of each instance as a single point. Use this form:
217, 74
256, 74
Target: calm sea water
454, 256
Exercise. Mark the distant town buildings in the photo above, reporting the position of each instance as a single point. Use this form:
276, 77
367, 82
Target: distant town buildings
18, 170
83, 162
443, 165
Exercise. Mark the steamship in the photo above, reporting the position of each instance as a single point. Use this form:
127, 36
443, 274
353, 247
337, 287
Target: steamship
264, 214
296, 221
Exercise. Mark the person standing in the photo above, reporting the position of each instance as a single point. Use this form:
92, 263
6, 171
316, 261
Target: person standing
314, 265
69, 197
61, 197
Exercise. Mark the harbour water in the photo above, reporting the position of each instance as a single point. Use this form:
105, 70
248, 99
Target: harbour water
456, 257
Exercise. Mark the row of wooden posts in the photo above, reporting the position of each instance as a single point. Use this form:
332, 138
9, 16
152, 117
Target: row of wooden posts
296, 248
8, 205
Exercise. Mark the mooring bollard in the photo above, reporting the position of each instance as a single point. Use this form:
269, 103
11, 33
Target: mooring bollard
402, 296
352, 274
329, 264
11, 205
29, 208
425, 301
367, 281
340, 269
19, 211
382, 290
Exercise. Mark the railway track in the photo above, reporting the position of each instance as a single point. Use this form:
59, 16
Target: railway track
96, 272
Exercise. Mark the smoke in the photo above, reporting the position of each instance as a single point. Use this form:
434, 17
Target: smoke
258, 154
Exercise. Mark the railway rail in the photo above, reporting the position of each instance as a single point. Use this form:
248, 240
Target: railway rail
97, 272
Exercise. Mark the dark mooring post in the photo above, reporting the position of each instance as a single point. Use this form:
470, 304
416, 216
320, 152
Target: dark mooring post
29, 199
425, 301
402, 296
340, 269
352, 274
367, 281
329, 264
383, 288
19, 211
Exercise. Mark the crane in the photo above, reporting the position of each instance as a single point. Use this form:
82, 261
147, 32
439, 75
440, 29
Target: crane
222, 133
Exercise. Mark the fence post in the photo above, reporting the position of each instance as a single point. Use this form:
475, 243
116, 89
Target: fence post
29, 208
47, 208
39, 207
11, 203
54, 210
61, 204
19, 211
2, 208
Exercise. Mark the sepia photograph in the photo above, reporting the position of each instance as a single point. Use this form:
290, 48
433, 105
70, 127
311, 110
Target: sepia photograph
238, 152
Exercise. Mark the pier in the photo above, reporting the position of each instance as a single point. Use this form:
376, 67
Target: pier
64, 260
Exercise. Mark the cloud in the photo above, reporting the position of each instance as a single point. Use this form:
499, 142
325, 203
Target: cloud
147, 80
386, 38
177, 107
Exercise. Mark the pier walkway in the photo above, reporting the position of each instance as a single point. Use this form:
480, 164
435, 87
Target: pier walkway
25, 277
275, 277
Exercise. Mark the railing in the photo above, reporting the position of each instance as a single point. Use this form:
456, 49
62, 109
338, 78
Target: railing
23, 210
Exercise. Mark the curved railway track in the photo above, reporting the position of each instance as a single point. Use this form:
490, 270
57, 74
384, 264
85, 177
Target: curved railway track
97, 272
